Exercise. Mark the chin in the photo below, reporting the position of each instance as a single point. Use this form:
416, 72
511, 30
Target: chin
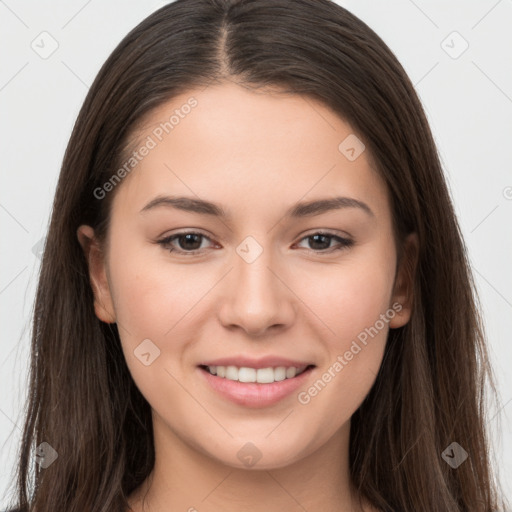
260, 455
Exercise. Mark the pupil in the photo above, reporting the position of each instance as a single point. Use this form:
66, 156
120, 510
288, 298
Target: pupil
188, 238
324, 245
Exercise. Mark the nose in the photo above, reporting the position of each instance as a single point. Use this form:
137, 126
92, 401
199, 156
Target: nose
258, 298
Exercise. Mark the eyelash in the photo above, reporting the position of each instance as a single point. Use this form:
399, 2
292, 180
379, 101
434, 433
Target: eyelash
345, 243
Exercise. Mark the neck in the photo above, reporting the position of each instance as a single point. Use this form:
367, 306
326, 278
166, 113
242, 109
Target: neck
187, 479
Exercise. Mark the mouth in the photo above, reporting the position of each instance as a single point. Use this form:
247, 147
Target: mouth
258, 375
255, 387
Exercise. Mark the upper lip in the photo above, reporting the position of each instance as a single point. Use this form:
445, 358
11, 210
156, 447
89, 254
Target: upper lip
262, 362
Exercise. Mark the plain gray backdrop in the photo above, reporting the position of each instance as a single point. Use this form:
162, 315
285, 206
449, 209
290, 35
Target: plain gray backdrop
458, 54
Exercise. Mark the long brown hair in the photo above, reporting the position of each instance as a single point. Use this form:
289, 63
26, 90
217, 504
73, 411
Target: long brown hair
431, 387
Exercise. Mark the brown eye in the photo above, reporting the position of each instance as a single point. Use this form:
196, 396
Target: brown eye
321, 242
185, 242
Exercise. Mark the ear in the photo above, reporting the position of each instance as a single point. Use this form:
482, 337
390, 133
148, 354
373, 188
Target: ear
403, 291
103, 304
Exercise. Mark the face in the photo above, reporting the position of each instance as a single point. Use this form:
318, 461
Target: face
276, 282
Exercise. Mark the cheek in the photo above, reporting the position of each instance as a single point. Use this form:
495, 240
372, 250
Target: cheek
150, 294
351, 295
354, 304
152, 302
144, 301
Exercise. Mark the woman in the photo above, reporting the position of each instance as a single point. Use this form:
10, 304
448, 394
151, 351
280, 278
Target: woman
318, 347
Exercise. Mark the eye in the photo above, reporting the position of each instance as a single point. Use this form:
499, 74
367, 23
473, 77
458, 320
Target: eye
321, 242
189, 242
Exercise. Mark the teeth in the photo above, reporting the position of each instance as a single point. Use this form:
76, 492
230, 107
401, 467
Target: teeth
260, 375
290, 372
246, 375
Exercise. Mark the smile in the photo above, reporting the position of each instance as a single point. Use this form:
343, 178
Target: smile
255, 387
259, 375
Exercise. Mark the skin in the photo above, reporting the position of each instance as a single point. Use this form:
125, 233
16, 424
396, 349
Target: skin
256, 154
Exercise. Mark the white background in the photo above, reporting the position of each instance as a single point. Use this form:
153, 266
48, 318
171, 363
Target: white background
468, 100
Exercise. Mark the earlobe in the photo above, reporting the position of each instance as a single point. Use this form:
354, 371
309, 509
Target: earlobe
103, 304
403, 293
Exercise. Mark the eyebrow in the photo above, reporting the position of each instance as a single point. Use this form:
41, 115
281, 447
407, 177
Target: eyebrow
299, 210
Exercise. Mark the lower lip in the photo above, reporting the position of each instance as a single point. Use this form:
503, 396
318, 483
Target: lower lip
253, 394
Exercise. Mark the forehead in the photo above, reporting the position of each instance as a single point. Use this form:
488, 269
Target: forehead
248, 149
